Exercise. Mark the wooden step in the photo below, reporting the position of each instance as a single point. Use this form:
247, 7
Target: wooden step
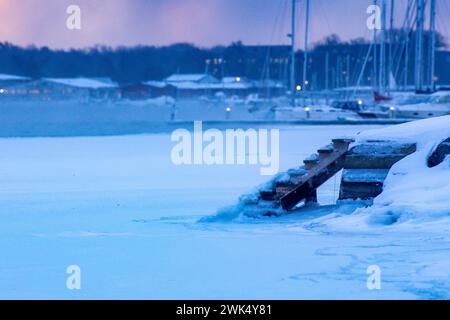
296, 176
326, 149
296, 171
361, 175
362, 183
383, 147
282, 190
342, 143
268, 195
314, 158
313, 180
360, 190
377, 154
311, 161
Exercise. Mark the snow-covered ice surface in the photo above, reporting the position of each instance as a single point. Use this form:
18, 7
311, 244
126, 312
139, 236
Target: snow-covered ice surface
118, 208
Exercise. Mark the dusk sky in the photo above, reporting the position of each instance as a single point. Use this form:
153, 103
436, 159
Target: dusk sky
201, 22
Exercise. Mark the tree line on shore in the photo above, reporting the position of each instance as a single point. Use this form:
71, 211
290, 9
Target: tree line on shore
332, 62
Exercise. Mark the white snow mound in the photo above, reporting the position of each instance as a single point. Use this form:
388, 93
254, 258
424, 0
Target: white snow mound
412, 190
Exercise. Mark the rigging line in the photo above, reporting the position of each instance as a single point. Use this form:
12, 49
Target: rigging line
357, 73
403, 27
363, 67
266, 64
410, 30
400, 48
407, 31
364, 63
277, 24
276, 30
356, 76
283, 18
327, 23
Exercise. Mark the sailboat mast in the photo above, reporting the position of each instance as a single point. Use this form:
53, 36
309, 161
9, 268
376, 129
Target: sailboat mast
327, 67
305, 52
382, 84
419, 45
406, 31
375, 54
432, 42
292, 35
391, 42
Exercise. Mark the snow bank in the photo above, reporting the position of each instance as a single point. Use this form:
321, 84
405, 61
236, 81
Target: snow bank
423, 132
412, 190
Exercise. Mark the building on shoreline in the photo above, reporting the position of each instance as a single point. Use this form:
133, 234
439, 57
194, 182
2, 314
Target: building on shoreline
194, 85
49, 89
101, 89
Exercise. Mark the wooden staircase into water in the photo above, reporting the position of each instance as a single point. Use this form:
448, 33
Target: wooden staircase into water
365, 167
319, 167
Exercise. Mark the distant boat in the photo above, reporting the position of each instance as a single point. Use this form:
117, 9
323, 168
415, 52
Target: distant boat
379, 97
414, 107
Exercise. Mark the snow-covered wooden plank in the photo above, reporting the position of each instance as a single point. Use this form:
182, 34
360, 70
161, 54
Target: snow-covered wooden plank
372, 161
364, 175
326, 149
342, 143
383, 148
311, 161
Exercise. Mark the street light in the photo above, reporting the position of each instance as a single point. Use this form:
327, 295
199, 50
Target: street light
308, 112
392, 112
227, 113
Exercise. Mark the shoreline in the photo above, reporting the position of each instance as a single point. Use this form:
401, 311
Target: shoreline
95, 128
